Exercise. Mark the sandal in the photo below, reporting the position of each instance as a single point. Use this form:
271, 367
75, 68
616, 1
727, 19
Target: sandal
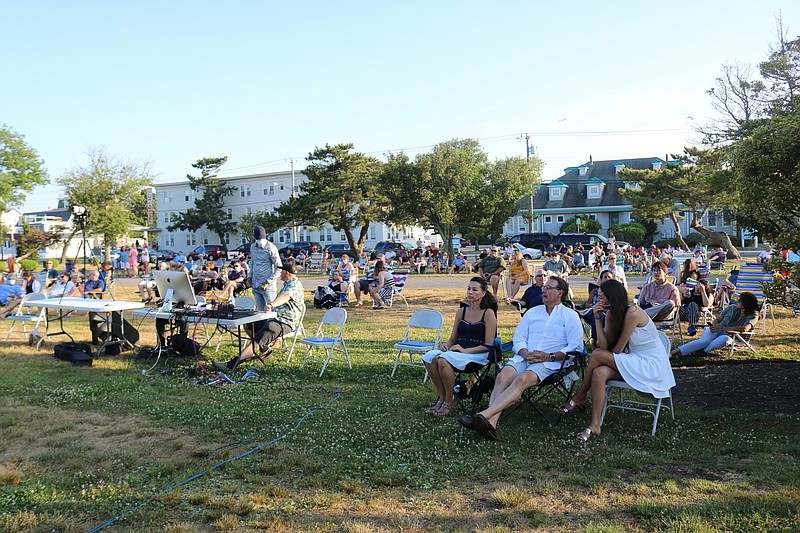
433, 408
585, 435
444, 410
570, 406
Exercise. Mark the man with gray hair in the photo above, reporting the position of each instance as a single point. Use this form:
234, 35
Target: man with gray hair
266, 263
672, 264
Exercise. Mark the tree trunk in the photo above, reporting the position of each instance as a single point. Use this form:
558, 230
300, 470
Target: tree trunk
718, 238
674, 218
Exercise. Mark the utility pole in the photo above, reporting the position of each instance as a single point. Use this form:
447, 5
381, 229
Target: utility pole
294, 228
528, 161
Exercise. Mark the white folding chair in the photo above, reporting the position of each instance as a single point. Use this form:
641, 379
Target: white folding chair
25, 314
423, 319
332, 322
295, 334
653, 408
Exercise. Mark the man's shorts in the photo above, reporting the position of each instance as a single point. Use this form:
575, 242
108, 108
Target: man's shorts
537, 368
269, 333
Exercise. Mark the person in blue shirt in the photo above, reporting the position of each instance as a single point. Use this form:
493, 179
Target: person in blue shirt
124, 261
532, 297
93, 286
10, 290
180, 258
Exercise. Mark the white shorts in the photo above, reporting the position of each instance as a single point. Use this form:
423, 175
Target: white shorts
540, 369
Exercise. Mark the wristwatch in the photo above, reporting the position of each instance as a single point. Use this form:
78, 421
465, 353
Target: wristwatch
552, 357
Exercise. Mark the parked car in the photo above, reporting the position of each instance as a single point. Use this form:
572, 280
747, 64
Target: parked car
384, 246
336, 250
213, 252
527, 253
162, 254
101, 253
533, 240
241, 249
305, 246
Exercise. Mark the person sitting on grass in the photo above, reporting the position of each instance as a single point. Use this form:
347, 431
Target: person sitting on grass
459, 264
541, 342
739, 317
629, 347
289, 306
472, 329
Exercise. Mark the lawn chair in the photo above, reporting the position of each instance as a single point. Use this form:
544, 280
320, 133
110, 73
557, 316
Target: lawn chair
332, 321
397, 289
653, 408
752, 279
25, 313
297, 333
424, 319
476, 381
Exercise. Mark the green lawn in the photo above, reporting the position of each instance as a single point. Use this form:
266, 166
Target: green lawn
354, 452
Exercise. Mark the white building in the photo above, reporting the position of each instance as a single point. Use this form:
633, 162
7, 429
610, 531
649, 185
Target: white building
58, 219
254, 193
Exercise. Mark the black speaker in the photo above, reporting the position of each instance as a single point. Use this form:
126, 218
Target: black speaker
120, 328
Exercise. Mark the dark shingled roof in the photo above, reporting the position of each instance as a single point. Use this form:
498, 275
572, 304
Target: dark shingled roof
575, 195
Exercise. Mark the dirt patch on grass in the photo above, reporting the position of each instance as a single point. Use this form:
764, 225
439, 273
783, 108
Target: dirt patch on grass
760, 386
90, 442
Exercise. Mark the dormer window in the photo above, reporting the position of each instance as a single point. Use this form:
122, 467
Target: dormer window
657, 164
583, 170
618, 166
594, 188
557, 190
555, 193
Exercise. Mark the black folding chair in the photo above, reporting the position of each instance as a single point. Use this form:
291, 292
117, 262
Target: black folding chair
559, 384
476, 381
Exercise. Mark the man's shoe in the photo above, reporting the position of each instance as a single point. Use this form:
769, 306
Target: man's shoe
484, 427
467, 421
691, 331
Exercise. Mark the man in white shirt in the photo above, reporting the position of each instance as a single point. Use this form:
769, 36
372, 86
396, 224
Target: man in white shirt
541, 342
619, 271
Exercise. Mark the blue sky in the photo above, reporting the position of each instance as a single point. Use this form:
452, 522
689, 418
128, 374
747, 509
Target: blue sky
266, 82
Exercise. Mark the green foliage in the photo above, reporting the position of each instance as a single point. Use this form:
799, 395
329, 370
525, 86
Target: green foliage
21, 169
783, 288
209, 203
767, 169
343, 190
110, 189
632, 232
454, 188
33, 240
588, 225
32, 265
248, 222
693, 239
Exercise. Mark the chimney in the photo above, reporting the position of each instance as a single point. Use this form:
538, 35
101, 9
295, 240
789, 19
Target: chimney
590, 159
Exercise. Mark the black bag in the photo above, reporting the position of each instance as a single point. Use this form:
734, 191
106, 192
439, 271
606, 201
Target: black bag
325, 297
183, 346
77, 353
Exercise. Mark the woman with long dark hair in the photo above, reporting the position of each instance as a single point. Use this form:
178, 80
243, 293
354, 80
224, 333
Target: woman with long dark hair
475, 325
628, 347
739, 317
381, 288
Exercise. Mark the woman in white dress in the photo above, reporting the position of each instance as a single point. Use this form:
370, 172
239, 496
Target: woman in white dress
475, 326
629, 348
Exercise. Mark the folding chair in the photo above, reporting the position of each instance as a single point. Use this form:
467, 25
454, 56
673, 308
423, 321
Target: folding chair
397, 289
476, 381
332, 321
652, 408
752, 278
560, 383
424, 319
295, 334
672, 325
25, 314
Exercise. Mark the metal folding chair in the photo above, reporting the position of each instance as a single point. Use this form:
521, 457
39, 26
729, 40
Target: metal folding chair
332, 322
424, 319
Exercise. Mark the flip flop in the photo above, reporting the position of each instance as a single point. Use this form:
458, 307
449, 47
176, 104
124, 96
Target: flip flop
433, 408
484, 427
568, 407
585, 435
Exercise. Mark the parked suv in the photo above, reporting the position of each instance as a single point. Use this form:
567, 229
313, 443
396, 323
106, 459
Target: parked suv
384, 246
533, 240
305, 246
572, 239
213, 252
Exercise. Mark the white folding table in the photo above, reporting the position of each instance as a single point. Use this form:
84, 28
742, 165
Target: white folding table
89, 305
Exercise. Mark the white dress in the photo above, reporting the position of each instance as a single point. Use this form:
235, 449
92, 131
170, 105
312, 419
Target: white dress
646, 368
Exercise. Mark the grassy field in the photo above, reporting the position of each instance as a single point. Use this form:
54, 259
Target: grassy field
353, 451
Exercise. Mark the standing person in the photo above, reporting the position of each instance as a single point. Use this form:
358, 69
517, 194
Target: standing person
133, 257
612, 242
629, 348
144, 259
266, 262
124, 261
473, 328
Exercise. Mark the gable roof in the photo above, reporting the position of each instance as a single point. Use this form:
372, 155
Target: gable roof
574, 199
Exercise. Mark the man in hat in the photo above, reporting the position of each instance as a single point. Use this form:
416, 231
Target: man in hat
289, 306
266, 263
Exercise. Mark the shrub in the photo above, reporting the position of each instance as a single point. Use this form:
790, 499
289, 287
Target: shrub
633, 232
693, 239
3, 266
588, 225
29, 264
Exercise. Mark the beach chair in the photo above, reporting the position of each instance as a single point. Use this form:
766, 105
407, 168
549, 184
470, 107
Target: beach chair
752, 279
652, 407
476, 382
422, 322
397, 288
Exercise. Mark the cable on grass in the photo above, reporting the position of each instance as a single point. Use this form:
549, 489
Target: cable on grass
183, 482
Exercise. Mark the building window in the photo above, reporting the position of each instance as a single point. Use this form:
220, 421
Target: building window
560, 219
342, 237
372, 232
173, 216
248, 210
712, 218
227, 238
548, 219
168, 197
269, 190
188, 195
230, 213
244, 191
166, 217
727, 217
191, 239
555, 193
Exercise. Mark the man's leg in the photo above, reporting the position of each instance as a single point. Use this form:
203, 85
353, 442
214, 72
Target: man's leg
509, 396
494, 281
663, 311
